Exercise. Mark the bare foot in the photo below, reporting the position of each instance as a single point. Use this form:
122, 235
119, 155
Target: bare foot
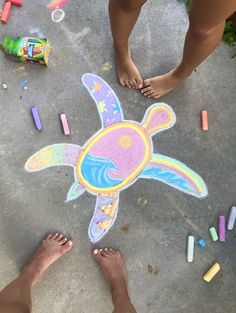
159, 86
50, 249
128, 74
113, 267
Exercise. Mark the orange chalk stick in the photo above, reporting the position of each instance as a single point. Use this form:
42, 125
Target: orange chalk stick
204, 120
16, 2
6, 12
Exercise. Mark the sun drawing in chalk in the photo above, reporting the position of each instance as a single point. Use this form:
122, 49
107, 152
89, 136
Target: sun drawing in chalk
116, 156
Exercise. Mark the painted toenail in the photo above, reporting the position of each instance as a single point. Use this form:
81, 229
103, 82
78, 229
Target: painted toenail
95, 251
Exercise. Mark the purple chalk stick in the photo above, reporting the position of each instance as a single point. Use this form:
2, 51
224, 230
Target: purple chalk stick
36, 118
221, 228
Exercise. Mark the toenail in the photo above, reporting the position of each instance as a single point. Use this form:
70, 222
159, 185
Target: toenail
65, 238
106, 249
70, 243
100, 250
95, 251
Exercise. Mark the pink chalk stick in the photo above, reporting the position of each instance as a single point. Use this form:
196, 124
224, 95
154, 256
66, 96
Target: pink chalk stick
6, 12
15, 2
64, 124
221, 228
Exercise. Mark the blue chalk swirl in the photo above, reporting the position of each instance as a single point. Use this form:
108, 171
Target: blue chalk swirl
95, 172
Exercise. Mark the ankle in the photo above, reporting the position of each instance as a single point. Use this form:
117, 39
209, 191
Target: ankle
180, 72
120, 295
121, 50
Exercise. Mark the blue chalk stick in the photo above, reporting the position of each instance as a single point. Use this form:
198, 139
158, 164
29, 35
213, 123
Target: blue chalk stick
36, 118
201, 243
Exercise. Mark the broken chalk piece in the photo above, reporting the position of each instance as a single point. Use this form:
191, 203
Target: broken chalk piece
221, 228
213, 233
212, 272
190, 248
231, 219
16, 2
204, 120
36, 118
64, 124
6, 12
201, 243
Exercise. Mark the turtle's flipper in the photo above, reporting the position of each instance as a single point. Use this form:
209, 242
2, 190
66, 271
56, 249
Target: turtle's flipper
54, 155
76, 190
158, 117
104, 216
175, 174
108, 104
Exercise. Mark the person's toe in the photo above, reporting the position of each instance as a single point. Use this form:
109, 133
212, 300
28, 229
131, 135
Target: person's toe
59, 237
146, 89
63, 241
122, 83
146, 83
67, 246
139, 83
96, 254
149, 93
54, 236
134, 84
49, 236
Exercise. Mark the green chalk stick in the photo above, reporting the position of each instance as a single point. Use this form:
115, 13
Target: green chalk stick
213, 234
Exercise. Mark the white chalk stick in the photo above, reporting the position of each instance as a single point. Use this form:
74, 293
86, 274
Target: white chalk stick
190, 248
231, 219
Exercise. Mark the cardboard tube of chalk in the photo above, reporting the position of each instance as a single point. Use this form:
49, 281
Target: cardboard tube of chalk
204, 120
221, 228
190, 248
212, 272
213, 234
231, 219
65, 125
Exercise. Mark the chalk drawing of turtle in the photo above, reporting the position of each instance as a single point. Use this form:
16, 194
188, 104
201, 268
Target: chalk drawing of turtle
116, 156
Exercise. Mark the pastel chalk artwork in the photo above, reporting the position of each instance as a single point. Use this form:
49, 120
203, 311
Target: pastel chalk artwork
116, 156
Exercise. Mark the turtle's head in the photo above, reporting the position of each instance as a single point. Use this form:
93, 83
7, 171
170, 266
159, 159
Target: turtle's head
158, 117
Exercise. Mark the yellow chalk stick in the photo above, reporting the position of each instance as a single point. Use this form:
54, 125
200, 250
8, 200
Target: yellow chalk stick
212, 272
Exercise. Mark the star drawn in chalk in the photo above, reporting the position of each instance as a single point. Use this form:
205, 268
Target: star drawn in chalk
97, 86
102, 107
116, 108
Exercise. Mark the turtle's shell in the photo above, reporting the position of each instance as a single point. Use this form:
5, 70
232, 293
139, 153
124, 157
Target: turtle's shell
114, 157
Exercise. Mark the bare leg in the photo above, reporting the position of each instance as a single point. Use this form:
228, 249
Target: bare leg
112, 265
207, 20
16, 297
123, 16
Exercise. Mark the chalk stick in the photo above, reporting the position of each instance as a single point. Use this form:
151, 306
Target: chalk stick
36, 118
231, 219
221, 228
190, 248
6, 12
213, 233
204, 120
64, 124
16, 2
201, 243
212, 272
